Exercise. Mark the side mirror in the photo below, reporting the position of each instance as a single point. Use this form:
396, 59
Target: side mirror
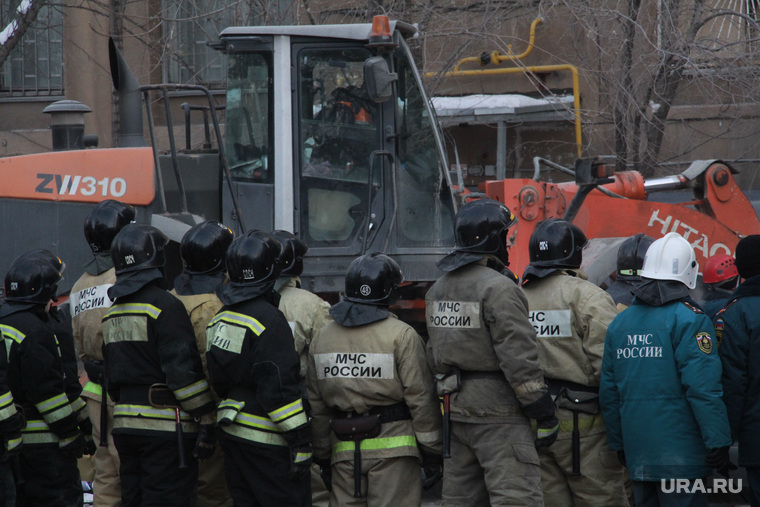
378, 79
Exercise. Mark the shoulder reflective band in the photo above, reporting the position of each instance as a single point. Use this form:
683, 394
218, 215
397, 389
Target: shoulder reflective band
133, 308
239, 319
11, 333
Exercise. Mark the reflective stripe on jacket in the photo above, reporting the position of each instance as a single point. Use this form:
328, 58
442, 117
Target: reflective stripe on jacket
148, 339
253, 364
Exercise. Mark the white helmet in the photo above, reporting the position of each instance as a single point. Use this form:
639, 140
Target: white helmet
671, 258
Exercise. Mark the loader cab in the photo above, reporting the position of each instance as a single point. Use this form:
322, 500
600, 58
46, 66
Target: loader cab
314, 150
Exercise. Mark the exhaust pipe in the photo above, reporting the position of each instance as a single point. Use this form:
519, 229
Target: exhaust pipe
130, 100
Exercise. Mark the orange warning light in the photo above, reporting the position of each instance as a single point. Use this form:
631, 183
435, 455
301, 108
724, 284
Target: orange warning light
381, 31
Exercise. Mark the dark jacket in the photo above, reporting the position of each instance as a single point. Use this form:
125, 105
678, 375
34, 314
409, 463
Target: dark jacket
254, 367
36, 374
738, 329
148, 339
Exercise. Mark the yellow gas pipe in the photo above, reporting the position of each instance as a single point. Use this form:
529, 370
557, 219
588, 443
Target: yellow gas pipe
497, 58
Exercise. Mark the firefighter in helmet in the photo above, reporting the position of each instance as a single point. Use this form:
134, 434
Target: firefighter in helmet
88, 303
570, 316
307, 313
52, 438
721, 279
660, 389
483, 349
60, 322
372, 394
202, 250
737, 327
265, 433
154, 374
630, 258
11, 423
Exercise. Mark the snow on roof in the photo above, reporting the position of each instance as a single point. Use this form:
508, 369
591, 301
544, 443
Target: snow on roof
493, 106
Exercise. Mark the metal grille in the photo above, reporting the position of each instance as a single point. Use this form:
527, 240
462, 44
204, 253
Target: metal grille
35, 66
193, 23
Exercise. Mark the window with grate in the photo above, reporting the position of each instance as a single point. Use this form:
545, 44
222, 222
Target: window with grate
35, 66
191, 24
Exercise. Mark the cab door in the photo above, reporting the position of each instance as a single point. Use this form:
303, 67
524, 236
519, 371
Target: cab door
340, 174
249, 134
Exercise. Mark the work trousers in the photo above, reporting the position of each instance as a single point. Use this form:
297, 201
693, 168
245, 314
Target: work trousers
320, 497
490, 465
601, 482
47, 479
106, 486
753, 477
387, 482
212, 484
257, 475
650, 494
7, 485
150, 473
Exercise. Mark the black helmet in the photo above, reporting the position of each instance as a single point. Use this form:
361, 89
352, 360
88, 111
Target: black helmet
253, 259
203, 247
137, 247
556, 243
372, 279
293, 250
481, 227
31, 280
104, 221
630, 257
47, 256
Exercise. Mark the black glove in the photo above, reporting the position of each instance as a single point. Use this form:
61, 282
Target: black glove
72, 445
204, 444
621, 458
89, 444
11, 441
325, 472
300, 462
548, 429
720, 460
11, 446
432, 465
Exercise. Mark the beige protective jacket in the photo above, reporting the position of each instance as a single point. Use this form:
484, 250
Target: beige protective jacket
307, 313
201, 308
570, 316
477, 320
359, 368
88, 303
